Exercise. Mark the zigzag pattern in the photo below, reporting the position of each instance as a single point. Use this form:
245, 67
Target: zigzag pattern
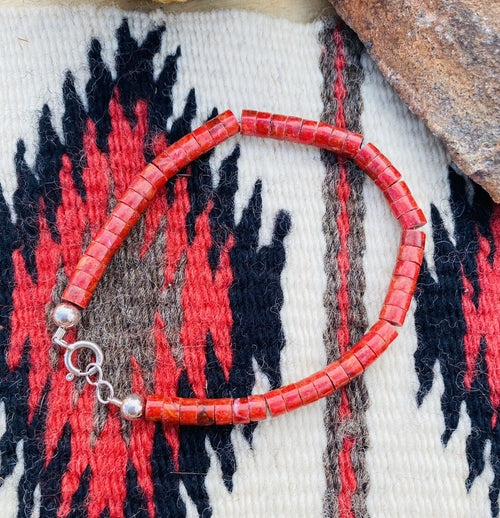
84, 461
457, 323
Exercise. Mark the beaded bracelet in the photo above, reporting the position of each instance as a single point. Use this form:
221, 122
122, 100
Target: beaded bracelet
192, 411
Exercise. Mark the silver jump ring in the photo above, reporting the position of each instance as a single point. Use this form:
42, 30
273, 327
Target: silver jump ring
89, 379
111, 390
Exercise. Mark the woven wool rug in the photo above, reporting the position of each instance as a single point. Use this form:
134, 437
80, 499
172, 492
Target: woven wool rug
254, 268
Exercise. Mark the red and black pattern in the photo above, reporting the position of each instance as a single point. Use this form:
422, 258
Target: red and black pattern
457, 321
84, 459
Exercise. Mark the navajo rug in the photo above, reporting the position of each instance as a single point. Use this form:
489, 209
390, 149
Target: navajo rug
254, 267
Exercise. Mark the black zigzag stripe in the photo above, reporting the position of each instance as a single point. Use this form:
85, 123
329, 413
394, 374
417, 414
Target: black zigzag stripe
441, 326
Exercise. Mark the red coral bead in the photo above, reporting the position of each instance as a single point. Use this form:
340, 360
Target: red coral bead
153, 176
224, 411
385, 330
291, 397
223, 126
351, 365
108, 239
77, 296
400, 283
230, 122
126, 213
218, 131
263, 124
366, 155
337, 140
171, 411
364, 354
91, 265
308, 132
352, 144
377, 166
134, 200
117, 226
248, 122
398, 298
323, 134
375, 342
387, 178
413, 238
178, 154
322, 383
241, 411
99, 252
403, 205
393, 314
413, 219
337, 374
277, 127
275, 402
190, 147
168, 164
307, 391
292, 129
188, 411
414, 254
204, 138
407, 269
396, 191
86, 281
205, 412
258, 408
153, 408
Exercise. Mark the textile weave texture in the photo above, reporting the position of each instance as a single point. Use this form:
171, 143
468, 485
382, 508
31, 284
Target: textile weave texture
254, 267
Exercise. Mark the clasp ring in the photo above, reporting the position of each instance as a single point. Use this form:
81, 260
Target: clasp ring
92, 368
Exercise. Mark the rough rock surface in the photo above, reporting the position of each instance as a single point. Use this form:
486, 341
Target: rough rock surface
443, 59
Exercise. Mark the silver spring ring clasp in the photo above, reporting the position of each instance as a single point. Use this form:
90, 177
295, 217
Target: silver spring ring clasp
92, 368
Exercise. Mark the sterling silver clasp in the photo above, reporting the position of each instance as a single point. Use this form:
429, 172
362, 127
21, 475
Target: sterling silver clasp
75, 371
92, 368
67, 316
92, 372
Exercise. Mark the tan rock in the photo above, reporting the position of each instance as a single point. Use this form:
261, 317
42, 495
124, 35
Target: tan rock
443, 59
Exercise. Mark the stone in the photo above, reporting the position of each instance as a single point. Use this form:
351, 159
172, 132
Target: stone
443, 59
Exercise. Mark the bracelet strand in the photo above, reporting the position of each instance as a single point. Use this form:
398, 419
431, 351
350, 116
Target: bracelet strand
224, 411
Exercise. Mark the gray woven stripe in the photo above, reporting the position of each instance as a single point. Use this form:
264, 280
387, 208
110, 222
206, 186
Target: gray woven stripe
355, 425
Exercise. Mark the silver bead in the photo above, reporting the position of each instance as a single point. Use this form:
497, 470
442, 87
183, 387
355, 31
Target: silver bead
132, 407
66, 315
